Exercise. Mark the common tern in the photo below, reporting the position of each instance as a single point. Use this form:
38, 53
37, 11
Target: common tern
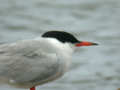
28, 63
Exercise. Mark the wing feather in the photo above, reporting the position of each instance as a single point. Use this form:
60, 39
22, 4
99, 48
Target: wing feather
26, 62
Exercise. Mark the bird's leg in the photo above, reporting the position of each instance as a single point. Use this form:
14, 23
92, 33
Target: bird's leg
33, 88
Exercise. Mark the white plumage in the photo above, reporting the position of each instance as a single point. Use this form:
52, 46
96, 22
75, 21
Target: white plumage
28, 63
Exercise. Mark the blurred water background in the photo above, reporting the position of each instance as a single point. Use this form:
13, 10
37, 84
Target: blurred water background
93, 68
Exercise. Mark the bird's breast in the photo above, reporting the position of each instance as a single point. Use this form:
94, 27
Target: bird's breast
64, 62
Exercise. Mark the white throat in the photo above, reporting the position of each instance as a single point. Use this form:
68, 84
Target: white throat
60, 47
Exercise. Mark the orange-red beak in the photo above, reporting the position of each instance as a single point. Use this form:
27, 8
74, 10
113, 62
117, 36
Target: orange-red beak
84, 43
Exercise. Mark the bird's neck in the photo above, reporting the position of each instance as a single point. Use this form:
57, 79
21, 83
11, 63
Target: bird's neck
61, 48
64, 52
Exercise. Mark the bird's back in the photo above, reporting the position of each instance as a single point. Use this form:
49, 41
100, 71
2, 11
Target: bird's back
27, 63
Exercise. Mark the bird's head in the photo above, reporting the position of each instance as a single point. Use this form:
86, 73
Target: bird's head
65, 37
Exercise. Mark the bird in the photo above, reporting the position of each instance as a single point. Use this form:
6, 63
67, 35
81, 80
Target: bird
32, 62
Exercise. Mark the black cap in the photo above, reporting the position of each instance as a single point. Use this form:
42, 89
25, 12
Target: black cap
61, 36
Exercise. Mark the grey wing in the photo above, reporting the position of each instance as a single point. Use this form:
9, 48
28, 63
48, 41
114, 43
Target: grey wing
20, 66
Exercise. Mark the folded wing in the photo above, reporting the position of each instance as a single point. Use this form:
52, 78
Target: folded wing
25, 63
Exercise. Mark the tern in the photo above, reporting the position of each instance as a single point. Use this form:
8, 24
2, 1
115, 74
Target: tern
33, 62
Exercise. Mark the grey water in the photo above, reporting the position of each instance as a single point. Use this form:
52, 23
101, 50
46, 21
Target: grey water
93, 68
